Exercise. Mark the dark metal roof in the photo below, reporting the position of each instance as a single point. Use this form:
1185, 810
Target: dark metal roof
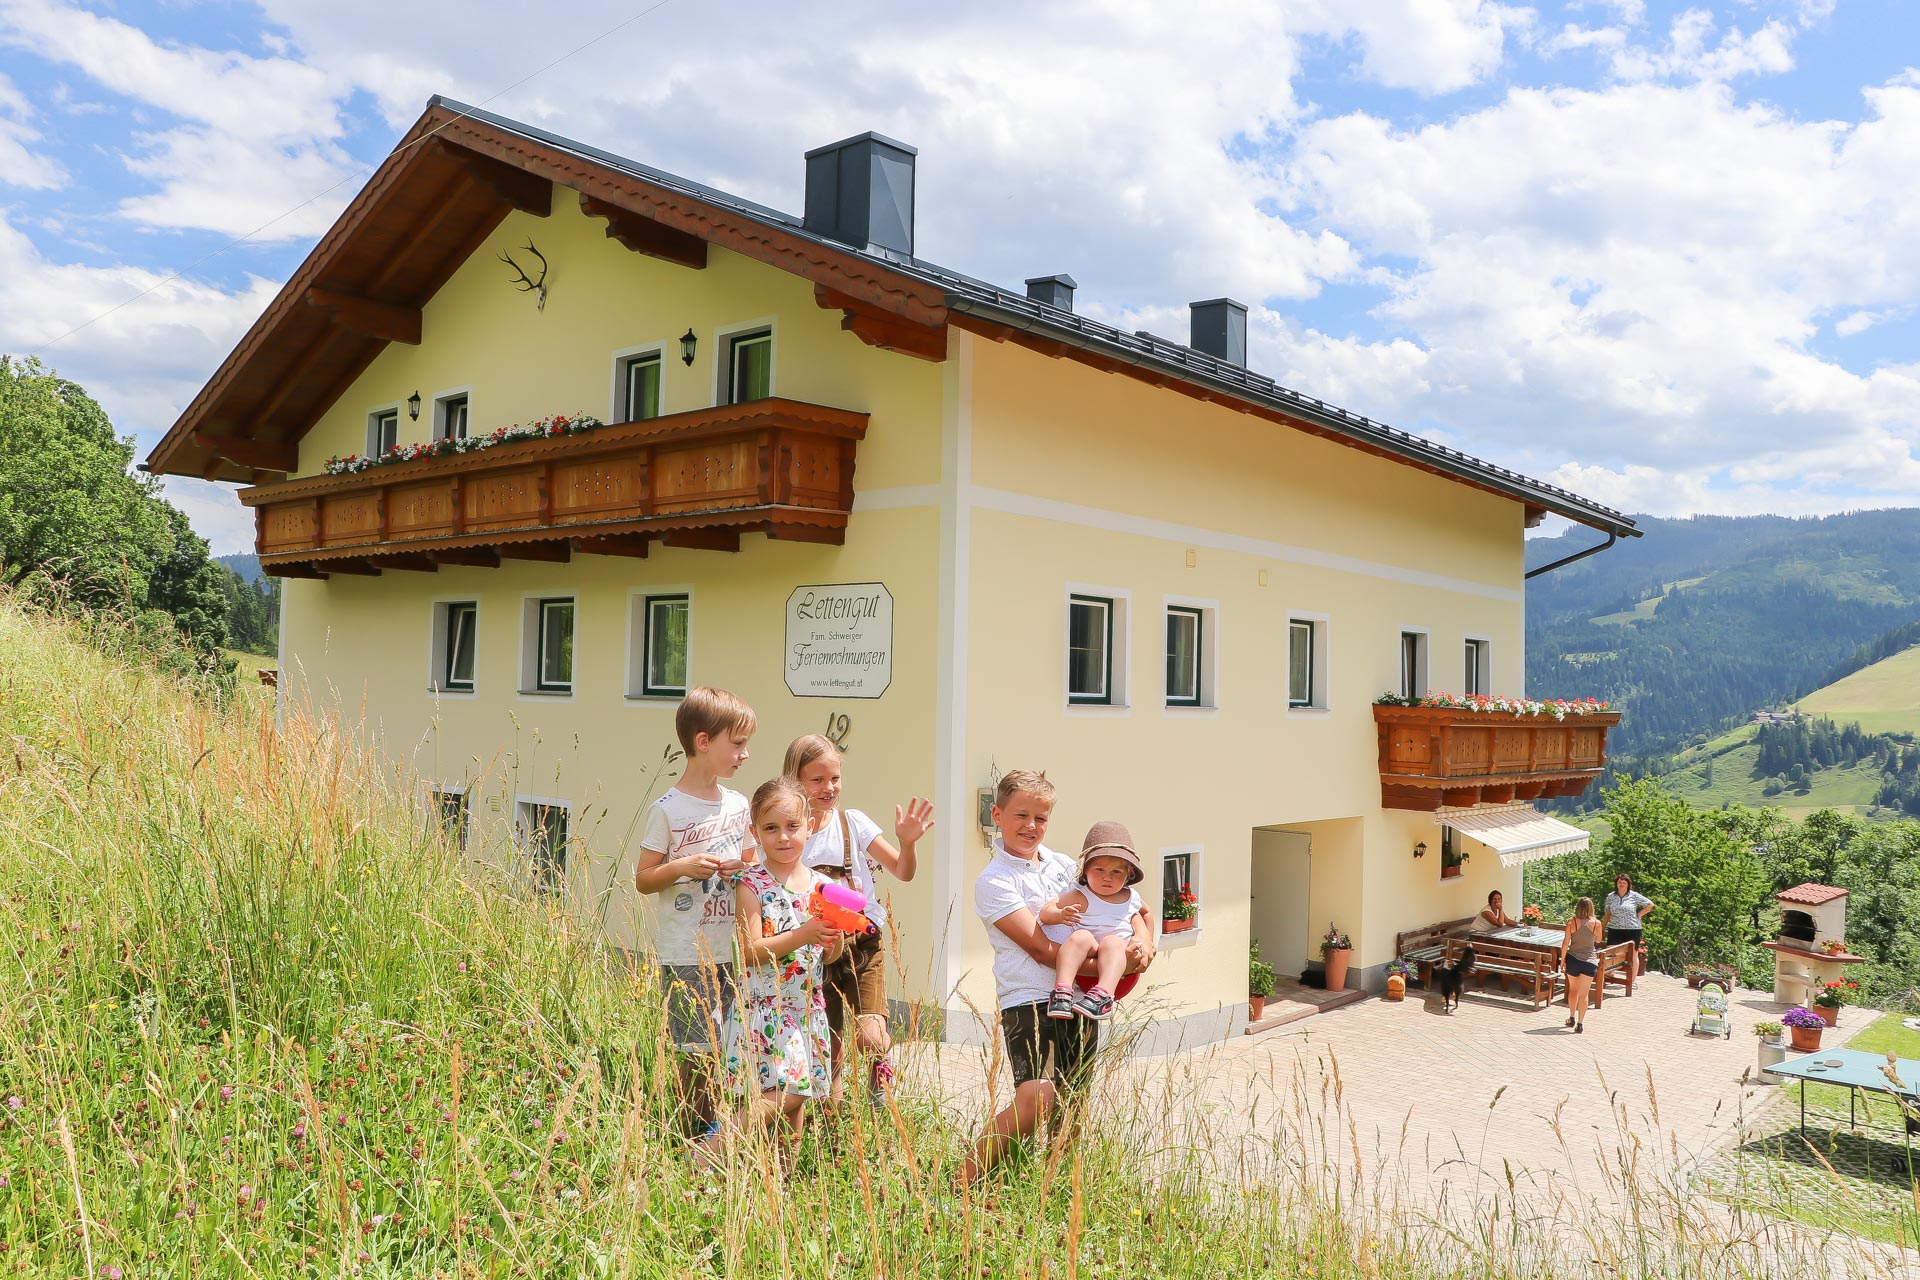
989, 302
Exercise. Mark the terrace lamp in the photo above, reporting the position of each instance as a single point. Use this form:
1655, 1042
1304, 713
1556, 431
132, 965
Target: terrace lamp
413, 407
687, 341
1420, 850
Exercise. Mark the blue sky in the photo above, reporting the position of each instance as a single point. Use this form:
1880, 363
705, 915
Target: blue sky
1660, 253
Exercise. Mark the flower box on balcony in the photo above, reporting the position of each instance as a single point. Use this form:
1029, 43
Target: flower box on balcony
698, 479
1456, 752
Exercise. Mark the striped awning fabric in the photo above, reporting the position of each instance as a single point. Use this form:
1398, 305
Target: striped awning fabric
1517, 832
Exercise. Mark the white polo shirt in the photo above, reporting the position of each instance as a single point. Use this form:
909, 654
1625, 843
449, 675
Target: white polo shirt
1004, 887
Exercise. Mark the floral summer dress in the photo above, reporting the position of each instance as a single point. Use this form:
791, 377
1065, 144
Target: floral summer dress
777, 1037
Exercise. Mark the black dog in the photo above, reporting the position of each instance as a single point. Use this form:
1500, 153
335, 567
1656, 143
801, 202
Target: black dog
1451, 977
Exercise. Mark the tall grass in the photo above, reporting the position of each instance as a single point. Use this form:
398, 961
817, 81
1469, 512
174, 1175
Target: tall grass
257, 1017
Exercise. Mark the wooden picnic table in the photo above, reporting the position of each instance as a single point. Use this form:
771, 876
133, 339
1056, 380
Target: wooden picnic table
1615, 962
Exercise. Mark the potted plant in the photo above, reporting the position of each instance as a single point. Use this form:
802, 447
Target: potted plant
1398, 971
1805, 1027
1827, 1001
1531, 914
1336, 949
1260, 980
1772, 1048
1180, 911
1834, 946
1699, 973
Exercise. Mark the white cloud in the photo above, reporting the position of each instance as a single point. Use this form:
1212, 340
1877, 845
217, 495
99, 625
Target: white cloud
1857, 322
259, 129
20, 165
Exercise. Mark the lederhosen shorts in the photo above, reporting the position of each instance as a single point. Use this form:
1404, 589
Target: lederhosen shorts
858, 979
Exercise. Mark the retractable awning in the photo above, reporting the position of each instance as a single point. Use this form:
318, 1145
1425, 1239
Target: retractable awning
1517, 832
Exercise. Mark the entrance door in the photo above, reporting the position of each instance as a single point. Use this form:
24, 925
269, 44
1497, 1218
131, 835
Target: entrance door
1281, 914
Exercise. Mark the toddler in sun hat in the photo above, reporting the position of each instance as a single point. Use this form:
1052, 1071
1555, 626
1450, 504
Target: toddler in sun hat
1102, 919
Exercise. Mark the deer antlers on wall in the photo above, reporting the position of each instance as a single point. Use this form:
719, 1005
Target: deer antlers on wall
538, 288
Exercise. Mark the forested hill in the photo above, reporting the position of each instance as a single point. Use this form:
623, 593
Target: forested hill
1705, 619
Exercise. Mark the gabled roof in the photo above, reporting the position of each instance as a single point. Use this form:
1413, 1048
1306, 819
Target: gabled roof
1811, 895
459, 171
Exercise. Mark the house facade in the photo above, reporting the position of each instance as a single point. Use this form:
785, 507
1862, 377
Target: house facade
959, 529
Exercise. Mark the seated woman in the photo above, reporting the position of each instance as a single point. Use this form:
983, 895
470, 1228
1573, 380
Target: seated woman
1494, 918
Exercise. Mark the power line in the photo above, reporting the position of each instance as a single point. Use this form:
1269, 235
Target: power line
186, 271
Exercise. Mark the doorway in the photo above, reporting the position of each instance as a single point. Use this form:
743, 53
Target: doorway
1280, 915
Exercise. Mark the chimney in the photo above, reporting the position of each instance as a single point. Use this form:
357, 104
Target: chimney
1220, 329
860, 192
1055, 291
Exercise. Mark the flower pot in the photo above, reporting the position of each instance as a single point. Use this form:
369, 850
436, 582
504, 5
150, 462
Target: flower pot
1396, 986
1178, 926
1829, 1013
1806, 1039
1771, 1054
1693, 981
1256, 1008
1337, 968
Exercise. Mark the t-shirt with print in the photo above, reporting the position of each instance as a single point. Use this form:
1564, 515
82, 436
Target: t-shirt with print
1005, 886
1624, 913
823, 850
696, 916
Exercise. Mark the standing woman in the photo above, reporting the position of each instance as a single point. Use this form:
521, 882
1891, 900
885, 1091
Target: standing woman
1626, 908
1580, 960
847, 845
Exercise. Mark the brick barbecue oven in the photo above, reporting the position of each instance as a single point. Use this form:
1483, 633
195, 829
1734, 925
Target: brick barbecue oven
1812, 917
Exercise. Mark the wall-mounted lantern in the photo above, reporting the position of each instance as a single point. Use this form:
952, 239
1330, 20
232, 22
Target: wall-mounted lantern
413, 407
1420, 850
687, 343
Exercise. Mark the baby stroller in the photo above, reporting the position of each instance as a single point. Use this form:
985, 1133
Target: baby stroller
1710, 1015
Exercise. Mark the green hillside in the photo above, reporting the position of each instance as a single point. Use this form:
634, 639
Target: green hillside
1883, 698
1721, 773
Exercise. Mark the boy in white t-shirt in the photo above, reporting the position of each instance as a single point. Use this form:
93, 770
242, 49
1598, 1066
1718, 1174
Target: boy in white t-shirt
1048, 1057
696, 837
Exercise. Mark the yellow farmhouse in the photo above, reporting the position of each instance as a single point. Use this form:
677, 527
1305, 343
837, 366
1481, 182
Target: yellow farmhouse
958, 528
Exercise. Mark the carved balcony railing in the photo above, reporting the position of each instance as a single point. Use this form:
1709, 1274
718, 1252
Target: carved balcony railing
1443, 756
701, 479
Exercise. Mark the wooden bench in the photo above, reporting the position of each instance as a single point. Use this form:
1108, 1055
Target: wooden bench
1529, 967
1426, 946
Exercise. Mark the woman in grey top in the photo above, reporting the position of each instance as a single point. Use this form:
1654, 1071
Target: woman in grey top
1626, 908
1580, 958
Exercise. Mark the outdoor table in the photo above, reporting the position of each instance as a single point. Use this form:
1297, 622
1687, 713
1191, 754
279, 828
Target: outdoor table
1537, 938
1858, 1069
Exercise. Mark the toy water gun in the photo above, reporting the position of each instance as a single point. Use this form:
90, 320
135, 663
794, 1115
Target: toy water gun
842, 907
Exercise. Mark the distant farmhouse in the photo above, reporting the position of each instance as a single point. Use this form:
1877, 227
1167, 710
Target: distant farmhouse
968, 528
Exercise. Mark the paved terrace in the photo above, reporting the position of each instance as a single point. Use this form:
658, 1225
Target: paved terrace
1436, 1112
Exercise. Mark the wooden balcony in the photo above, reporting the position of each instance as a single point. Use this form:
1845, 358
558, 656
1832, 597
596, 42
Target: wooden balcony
1435, 756
701, 479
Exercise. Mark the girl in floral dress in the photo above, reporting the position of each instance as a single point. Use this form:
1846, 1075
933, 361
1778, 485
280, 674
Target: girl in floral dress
777, 1047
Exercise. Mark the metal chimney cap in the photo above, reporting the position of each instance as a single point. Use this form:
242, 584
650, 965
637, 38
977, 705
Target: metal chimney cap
868, 136
1062, 278
1215, 302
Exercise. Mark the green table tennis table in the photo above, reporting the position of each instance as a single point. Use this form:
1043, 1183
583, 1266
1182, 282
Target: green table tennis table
1856, 1070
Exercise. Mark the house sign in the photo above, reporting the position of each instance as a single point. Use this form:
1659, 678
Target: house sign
840, 640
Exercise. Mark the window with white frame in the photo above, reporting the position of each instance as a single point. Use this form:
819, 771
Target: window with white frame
450, 806
455, 644
640, 386
383, 431
548, 645
1413, 663
1179, 889
664, 623
543, 831
1307, 664
1090, 624
750, 366
1452, 857
1479, 667
450, 417
1186, 637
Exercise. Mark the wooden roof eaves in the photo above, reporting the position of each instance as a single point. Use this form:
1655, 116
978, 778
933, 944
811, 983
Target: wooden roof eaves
161, 460
867, 279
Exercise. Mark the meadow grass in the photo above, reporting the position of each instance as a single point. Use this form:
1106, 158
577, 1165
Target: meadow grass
259, 1017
